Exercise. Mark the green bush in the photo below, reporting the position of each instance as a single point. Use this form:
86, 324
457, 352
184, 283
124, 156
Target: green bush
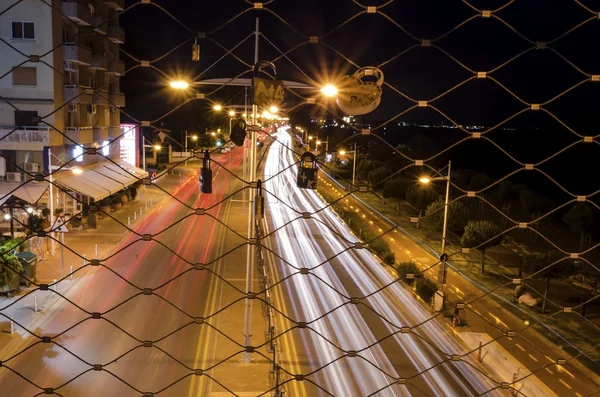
426, 288
404, 268
389, 258
379, 246
9, 264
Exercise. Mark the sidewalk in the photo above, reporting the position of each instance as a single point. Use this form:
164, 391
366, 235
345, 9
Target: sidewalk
91, 243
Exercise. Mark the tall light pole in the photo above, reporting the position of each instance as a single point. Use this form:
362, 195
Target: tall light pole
355, 155
443, 255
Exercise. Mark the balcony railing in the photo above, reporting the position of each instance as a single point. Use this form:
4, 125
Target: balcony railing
116, 67
75, 94
101, 98
76, 53
116, 34
76, 12
24, 137
81, 135
117, 99
100, 133
99, 61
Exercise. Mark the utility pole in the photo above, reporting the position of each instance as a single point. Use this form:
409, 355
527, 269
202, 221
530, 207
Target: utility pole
251, 222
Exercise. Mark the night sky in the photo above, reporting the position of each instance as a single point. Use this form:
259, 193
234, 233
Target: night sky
421, 73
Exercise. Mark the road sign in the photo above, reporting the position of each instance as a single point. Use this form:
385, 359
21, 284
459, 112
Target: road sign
59, 225
268, 92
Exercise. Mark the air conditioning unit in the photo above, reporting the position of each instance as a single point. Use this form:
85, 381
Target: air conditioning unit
73, 107
70, 66
13, 177
32, 167
91, 109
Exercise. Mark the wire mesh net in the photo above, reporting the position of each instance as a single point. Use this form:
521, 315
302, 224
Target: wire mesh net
356, 296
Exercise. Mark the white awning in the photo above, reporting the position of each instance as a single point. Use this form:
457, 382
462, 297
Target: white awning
101, 180
30, 192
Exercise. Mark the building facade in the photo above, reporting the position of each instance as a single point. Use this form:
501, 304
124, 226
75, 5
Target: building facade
61, 94
70, 98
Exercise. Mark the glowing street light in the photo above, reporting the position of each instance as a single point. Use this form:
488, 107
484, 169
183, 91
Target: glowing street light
310, 137
424, 179
77, 170
194, 138
29, 210
342, 152
231, 113
244, 115
218, 108
157, 147
179, 84
213, 133
329, 90
273, 109
318, 142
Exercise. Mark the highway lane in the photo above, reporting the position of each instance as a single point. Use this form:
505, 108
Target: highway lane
484, 314
342, 326
145, 265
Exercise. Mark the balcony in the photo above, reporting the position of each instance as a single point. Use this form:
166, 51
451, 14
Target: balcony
100, 24
81, 135
24, 138
74, 94
116, 34
99, 61
100, 133
116, 67
76, 53
76, 12
117, 99
114, 132
100, 98
116, 4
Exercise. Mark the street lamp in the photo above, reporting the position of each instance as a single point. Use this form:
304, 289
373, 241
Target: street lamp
344, 152
329, 90
231, 113
426, 180
218, 108
273, 109
179, 84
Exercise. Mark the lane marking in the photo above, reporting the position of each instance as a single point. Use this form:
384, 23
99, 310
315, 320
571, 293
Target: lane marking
521, 347
533, 358
549, 371
565, 383
578, 394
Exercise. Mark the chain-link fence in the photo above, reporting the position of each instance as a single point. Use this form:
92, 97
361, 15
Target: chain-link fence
481, 149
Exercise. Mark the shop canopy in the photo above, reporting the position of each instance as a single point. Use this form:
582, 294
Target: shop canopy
30, 192
101, 180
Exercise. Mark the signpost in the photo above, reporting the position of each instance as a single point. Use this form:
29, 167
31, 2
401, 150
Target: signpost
268, 92
59, 227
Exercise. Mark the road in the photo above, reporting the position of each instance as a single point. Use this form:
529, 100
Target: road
372, 328
129, 317
485, 315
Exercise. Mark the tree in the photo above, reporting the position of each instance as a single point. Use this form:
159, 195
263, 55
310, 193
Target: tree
580, 218
404, 268
10, 265
364, 167
206, 140
377, 175
544, 263
481, 234
420, 196
395, 187
458, 214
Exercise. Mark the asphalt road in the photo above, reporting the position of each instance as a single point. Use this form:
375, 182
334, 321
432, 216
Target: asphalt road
129, 317
485, 314
372, 328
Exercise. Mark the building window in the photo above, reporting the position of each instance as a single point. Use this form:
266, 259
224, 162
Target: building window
23, 30
24, 76
25, 118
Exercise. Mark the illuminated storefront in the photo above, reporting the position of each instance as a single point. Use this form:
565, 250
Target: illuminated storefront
129, 144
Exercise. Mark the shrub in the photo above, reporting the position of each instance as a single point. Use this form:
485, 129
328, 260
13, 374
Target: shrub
389, 258
9, 265
404, 268
379, 246
426, 288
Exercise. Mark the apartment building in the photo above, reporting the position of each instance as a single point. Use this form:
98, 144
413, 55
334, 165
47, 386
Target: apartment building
51, 109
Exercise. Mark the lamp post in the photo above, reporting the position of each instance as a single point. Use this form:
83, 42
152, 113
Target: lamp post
343, 152
155, 147
443, 257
